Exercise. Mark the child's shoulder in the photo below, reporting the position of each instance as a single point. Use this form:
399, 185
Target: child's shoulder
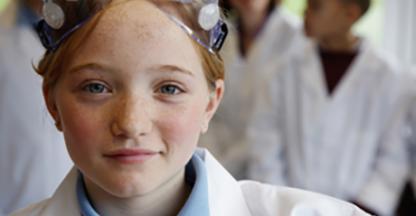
264, 199
32, 210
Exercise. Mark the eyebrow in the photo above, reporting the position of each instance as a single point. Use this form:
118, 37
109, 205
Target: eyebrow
172, 68
91, 66
162, 68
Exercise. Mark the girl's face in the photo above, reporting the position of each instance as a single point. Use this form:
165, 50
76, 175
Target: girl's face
133, 101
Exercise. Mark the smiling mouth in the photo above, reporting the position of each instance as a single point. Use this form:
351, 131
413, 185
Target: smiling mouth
131, 156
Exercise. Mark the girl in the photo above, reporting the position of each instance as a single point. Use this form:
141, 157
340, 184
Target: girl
132, 84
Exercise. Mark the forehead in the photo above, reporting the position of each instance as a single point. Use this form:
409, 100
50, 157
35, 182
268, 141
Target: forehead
137, 30
135, 17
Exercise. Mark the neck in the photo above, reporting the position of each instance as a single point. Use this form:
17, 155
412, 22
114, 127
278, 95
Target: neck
345, 42
172, 195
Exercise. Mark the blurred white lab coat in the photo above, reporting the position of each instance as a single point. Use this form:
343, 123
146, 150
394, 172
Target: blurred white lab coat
33, 158
226, 197
348, 145
274, 45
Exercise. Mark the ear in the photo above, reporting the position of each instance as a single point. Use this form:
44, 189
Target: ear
51, 106
213, 103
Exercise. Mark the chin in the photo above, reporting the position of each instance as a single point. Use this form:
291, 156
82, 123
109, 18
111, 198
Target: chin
129, 191
128, 188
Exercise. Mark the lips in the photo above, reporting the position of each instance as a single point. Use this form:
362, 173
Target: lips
131, 156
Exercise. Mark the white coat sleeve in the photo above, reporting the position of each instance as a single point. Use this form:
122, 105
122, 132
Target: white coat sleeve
391, 167
268, 200
264, 135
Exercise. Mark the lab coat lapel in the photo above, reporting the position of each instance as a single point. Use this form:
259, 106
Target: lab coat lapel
313, 103
351, 90
314, 95
64, 202
322, 114
343, 114
225, 195
354, 75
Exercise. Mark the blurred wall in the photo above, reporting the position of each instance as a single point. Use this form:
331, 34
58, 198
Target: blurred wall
400, 30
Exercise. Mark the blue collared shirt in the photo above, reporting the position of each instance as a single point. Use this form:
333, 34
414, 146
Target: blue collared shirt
195, 176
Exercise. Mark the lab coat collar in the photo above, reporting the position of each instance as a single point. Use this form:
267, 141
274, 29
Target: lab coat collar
225, 194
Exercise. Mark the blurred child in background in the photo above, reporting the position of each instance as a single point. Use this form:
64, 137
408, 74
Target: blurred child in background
336, 123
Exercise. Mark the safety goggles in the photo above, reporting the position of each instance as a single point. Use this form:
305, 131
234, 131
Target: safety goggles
63, 17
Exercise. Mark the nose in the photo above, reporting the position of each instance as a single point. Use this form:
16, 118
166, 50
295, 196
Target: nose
131, 118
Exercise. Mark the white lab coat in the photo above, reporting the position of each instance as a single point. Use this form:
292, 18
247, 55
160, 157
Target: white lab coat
33, 158
348, 145
274, 45
226, 197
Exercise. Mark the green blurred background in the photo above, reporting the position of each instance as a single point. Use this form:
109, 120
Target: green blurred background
3, 4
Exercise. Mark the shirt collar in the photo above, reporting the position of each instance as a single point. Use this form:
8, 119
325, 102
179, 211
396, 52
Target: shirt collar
83, 200
195, 176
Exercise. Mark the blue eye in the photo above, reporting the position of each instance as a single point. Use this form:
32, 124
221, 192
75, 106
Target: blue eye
95, 88
170, 89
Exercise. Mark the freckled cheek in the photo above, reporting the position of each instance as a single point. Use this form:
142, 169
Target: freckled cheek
182, 128
84, 131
